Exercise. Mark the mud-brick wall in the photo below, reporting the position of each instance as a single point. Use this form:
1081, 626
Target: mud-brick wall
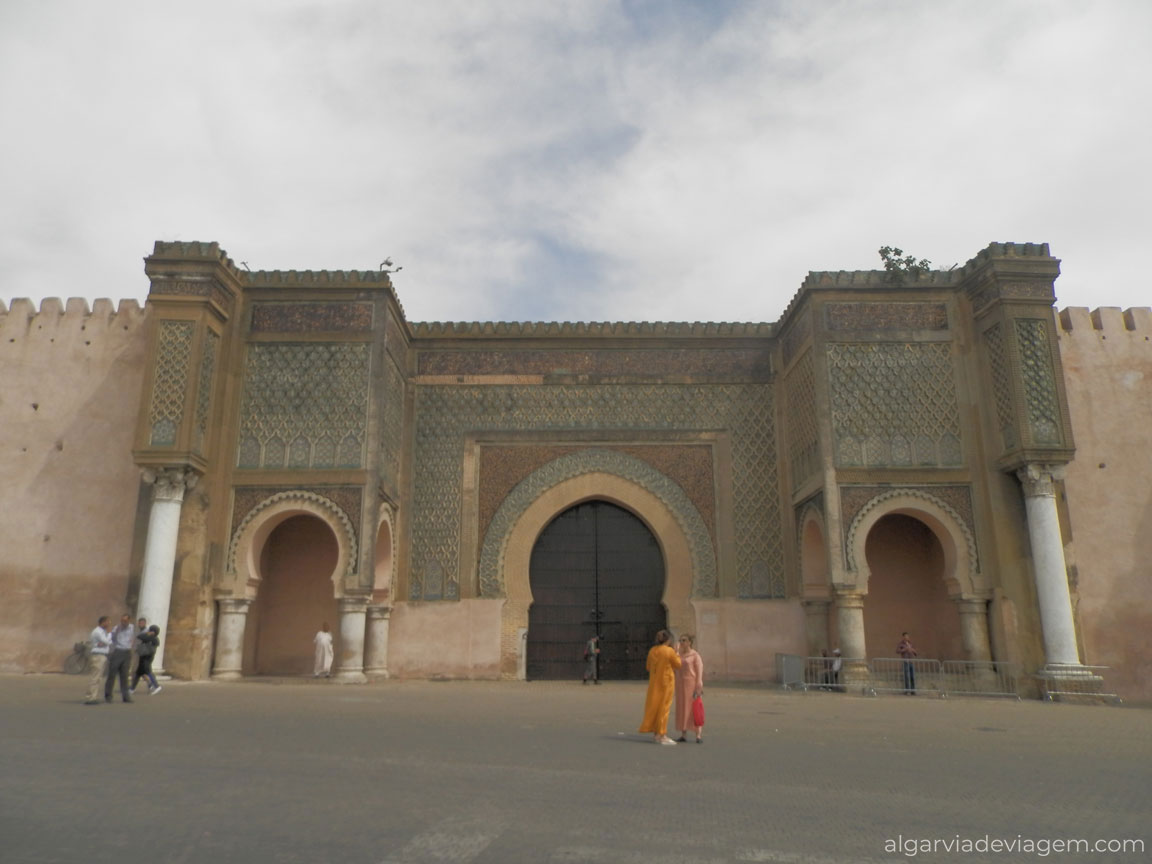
1107, 357
70, 380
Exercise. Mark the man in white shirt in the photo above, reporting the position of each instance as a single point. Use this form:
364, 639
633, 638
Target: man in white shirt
99, 641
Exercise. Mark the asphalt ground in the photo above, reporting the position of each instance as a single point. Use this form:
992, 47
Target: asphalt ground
401, 772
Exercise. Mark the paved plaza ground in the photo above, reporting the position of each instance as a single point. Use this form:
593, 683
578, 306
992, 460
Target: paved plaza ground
402, 772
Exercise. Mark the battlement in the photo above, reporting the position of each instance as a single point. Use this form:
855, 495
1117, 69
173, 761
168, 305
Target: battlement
1105, 321
601, 330
69, 321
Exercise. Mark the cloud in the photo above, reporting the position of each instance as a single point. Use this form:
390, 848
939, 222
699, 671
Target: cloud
572, 161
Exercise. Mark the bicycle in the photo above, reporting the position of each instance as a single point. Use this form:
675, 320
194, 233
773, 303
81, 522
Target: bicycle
79, 660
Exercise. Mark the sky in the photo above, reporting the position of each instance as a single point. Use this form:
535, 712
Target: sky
592, 160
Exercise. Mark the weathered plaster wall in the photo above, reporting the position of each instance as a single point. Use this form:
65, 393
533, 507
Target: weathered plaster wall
70, 382
1107, 356
445, 640
739, 639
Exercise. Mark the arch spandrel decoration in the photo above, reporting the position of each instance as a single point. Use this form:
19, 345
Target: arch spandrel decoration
258, 523
603, 462
962, 564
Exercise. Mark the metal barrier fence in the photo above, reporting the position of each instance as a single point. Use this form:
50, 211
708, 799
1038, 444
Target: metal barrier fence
941, 678
895, 674
1058, 680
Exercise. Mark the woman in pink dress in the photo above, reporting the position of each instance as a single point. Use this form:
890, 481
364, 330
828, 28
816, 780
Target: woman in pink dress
689, 686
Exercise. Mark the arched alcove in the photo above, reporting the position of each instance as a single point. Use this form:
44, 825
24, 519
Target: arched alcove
294, 597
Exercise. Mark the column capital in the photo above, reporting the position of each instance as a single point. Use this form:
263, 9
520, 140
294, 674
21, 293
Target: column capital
379, 613
170, 483
234, 605
1037, 479
849, 596
353, 603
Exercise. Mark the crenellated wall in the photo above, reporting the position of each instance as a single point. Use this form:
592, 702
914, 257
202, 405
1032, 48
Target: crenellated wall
70, 380
1107, 357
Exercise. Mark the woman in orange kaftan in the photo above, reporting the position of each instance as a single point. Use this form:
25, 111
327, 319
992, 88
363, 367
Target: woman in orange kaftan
689, 685
663, 661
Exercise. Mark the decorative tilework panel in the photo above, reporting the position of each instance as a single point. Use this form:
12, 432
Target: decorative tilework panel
444, 414
204, 389
800, 419
1040, 397
1001, 385
304, 406
173, 356
894, 404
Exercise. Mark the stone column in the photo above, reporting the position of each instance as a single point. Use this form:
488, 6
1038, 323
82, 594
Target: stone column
974, 628
168, 487
1051, 573
850, 622
350, 659
230, 625
376, 653
816, 624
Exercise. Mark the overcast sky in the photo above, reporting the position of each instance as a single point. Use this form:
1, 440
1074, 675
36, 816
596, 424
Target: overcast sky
589, 160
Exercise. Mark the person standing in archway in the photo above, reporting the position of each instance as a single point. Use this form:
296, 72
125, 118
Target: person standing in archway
689, 688
592, 660
663, 661
323, 643
905, 650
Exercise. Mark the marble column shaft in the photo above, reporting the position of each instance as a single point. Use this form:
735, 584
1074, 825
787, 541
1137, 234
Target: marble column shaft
155, 599
230, 626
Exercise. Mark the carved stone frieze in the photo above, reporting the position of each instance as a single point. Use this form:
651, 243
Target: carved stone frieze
886, 316
311, 317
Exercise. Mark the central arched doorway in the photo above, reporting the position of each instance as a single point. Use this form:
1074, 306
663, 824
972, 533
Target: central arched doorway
595, 568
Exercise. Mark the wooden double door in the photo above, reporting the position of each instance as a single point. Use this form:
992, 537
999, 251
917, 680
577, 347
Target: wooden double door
596, 568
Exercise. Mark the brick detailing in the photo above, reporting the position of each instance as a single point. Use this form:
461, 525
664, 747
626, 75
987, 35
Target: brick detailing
894, 404
586, 462
304, 406
795, 338
204, 389
445, 414
886, 316
208, 288
1039, 380
727, 363
311, 317
855, 501
173, 356
1001, 384
800, 421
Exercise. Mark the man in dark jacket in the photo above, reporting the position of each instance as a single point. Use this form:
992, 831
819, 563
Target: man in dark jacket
146, 650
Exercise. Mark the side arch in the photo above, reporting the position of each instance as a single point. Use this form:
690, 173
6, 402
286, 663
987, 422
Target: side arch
962, 574
250, 535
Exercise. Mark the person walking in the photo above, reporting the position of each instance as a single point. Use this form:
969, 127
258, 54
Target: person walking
147, 643
120, 658
592, 660
99, 641
904, 649
663, 661
323, 643
689, 688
